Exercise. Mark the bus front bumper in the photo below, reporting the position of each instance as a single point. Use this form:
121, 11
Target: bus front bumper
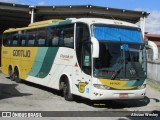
99, 94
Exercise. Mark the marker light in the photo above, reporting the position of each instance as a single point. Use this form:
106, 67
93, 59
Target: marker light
142, 86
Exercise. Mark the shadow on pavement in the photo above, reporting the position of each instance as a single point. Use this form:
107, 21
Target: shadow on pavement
156, 100
109, 104
114, 104
51, 90
9, 90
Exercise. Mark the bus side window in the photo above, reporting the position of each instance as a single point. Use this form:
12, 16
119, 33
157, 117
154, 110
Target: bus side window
61, 37
15, 39
23, 39
53, 36
31, 37
31, 40
41, 37
6, 39
68, 36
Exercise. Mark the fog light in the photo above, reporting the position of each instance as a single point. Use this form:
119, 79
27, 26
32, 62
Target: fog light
103, 87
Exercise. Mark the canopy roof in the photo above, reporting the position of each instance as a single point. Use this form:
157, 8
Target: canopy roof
16, 15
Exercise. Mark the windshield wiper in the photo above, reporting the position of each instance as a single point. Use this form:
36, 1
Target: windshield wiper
117, 71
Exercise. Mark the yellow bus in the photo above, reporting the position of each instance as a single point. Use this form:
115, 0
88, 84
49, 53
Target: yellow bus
90, 57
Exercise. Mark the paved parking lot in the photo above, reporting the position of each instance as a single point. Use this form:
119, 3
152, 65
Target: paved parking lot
26, 96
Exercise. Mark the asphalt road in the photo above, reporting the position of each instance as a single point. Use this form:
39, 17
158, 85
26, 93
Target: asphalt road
26, 96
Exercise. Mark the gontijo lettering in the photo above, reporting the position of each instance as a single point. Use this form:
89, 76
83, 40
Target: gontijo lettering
22, 53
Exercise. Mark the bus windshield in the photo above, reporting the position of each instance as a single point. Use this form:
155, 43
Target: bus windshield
120, 59
117, 33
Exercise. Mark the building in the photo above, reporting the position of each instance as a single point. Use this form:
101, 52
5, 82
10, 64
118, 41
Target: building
156, 39
153, 67
16, 15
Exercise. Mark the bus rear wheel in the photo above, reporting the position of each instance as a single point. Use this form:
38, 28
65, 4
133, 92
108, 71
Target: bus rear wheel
16, 75
10, 73
67, 92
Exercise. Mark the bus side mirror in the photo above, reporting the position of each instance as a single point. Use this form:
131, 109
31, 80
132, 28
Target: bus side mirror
95, 47
153, 46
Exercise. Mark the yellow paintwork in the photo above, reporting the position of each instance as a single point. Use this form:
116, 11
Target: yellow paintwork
46, 22
116, 84
81, 86
34, 25
24, 64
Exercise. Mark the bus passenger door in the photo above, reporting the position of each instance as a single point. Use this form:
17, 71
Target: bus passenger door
86, 68
82, 68
82, 71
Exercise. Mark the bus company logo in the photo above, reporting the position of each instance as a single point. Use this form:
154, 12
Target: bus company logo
22, 53
81, 86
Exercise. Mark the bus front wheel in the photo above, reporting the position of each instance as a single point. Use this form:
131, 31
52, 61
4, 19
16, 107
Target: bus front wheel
67, 92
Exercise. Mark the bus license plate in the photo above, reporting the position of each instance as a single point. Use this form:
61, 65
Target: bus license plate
123, 95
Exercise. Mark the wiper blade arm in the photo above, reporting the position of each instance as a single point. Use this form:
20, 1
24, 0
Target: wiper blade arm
133, 64
117, 71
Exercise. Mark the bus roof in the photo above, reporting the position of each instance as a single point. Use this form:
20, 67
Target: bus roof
34, 25
104, 21
53, 22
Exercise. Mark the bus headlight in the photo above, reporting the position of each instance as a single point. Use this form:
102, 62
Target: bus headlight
142, 86
103, 87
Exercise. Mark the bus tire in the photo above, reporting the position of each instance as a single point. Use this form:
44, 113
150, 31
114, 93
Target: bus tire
16, 75
10, 73
67, 91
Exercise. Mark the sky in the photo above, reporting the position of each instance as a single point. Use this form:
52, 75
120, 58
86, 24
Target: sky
151, 6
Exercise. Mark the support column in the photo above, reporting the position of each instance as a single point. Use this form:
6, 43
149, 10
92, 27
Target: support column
32, 10
142, 25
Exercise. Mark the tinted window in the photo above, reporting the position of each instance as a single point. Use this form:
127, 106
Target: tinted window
6, 39
62, 36
68, 35
41, 37
31, 34
86, 63
82, 34
15, 39
53, 36
23, 39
